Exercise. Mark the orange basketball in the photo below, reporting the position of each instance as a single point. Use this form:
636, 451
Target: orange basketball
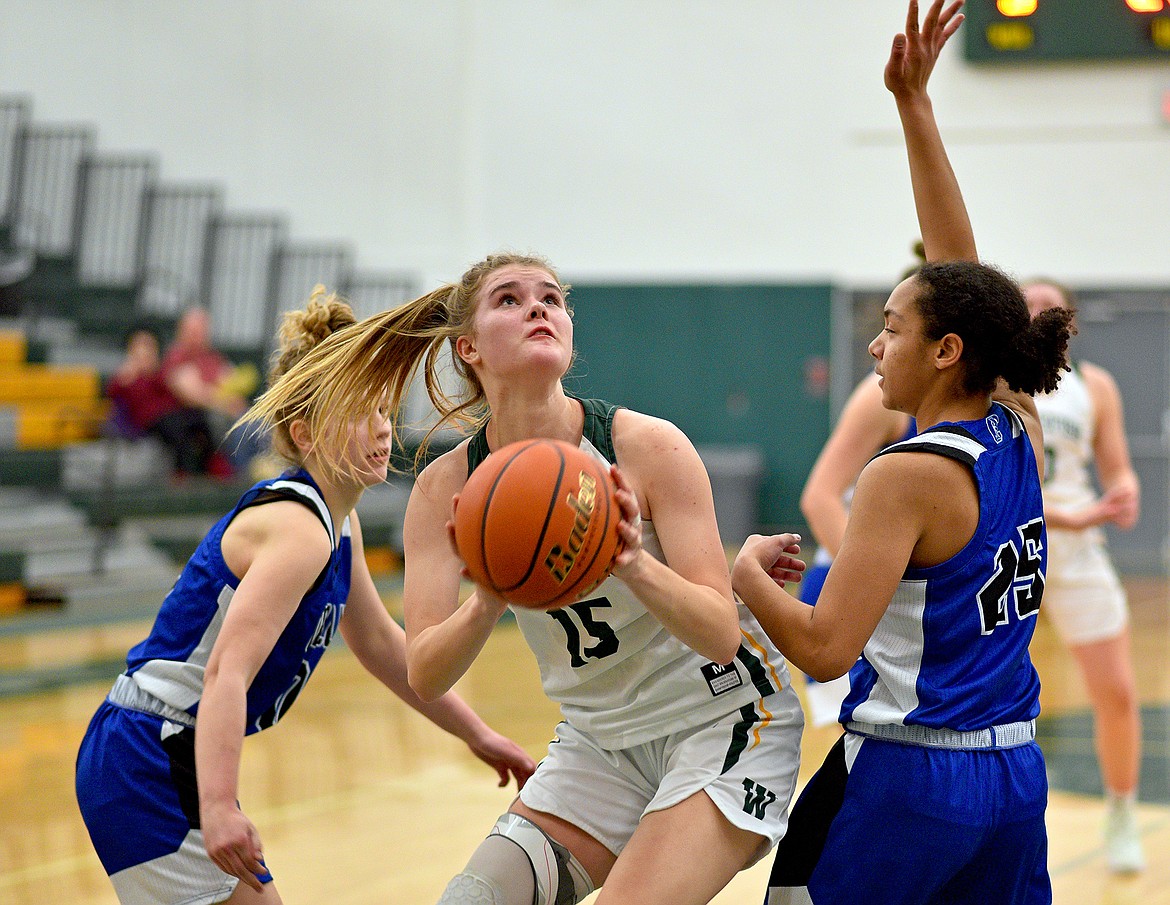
537, 523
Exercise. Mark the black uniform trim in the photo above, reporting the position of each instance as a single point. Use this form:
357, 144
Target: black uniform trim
808, 824
180, 749
934, 441
477, 449
271, 495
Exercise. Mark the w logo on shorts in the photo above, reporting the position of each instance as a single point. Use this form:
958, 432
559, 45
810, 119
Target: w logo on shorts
756, 799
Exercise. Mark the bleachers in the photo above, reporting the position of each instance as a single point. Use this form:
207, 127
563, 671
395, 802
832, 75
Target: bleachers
93, 242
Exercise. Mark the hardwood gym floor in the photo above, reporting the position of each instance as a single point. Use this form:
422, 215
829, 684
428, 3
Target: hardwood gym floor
360, 801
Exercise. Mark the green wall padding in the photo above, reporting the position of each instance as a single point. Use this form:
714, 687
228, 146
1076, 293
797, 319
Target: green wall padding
729, 364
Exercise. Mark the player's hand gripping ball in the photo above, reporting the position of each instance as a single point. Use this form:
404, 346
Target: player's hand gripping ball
537, 523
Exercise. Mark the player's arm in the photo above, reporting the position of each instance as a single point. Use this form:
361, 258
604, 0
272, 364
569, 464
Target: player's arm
942, 215
1119, 482
443, 637
947, 234
890, 514
279, 549
692, 595
379, 644
864, 427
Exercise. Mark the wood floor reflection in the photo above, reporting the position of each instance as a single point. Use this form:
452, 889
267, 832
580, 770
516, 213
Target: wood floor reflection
361, 801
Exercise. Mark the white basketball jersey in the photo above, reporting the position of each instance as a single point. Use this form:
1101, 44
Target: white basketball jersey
1066, 415
616, 671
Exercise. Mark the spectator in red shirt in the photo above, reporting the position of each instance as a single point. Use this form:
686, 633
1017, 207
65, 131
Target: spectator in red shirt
197, 373
201, 377
145, 405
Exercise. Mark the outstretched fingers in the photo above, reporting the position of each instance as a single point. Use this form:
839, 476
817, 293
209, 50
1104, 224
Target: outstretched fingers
950, 19
914, 53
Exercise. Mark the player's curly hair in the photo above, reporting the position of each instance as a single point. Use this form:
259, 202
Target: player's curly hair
324, 316
986, 309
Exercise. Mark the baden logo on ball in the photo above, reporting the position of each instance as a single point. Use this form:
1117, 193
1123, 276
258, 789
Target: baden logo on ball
560, 561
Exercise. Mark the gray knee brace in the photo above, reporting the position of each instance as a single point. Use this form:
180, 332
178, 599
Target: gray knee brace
495, 874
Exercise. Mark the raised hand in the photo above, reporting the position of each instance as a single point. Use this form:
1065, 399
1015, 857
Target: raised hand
915, 52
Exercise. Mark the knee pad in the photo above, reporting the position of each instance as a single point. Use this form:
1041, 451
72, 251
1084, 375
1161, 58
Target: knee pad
560, 878
496, 873
471, 889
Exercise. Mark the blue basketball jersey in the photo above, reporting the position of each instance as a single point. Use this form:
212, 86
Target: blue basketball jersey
170, 663
951, 651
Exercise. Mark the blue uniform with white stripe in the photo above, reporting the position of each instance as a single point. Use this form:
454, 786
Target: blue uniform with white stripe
136, 781
952, 648
939, 747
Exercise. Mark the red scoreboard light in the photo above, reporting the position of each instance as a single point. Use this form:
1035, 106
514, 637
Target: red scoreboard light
1025, 31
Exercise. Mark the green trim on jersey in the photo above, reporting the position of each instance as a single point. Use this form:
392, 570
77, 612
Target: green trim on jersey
756, 671
598, 430
740, 736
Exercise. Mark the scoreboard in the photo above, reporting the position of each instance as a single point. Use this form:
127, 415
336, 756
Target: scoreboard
1027, 31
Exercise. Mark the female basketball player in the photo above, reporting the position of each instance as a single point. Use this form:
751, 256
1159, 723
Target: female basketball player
937, 791
1084, 424
232, 647
679, 749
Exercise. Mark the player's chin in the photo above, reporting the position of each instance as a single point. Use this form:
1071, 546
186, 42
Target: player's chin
376, 471
547, 356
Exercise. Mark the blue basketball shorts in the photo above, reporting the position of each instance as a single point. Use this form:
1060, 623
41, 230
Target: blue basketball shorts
903, 824
140, 802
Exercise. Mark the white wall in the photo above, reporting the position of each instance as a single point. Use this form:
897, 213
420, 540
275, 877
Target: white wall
622, 138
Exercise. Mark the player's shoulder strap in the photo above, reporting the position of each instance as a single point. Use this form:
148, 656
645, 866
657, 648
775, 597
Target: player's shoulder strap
953, 440
293, 487
598, 430
477, 449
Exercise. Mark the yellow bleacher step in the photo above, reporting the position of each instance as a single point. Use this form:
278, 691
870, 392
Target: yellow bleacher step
13, 348
27, 383
12, 598
47, 425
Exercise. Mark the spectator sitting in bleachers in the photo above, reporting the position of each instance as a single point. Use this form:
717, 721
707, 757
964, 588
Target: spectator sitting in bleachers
201, 377
144, 405
198, 374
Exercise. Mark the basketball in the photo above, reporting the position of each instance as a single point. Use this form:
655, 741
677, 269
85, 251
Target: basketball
537, 523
